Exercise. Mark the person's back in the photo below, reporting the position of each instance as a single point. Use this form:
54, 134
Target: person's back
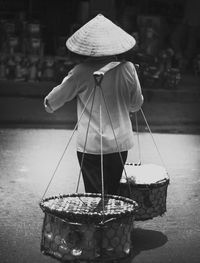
120, 94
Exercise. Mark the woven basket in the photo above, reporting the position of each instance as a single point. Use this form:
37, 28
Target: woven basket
151, 197
76, 227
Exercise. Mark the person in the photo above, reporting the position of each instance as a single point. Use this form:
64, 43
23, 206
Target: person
98, 43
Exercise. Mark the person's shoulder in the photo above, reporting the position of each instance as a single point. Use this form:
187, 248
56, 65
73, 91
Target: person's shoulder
77, 70
81, 68
127, 66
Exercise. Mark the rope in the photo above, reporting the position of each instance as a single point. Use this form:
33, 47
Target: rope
121, 159
98, 78
58, 164
101, 147
86, 137
138, 138
155, 144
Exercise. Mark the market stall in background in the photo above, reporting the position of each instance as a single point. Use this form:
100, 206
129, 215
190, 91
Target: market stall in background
33, 36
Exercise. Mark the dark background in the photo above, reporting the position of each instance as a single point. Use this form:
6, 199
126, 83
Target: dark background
34, 58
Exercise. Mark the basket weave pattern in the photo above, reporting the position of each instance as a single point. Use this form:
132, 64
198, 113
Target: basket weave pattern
65, 237
151, 199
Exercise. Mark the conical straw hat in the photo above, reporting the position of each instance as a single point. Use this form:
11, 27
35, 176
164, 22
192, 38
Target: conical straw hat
100, 37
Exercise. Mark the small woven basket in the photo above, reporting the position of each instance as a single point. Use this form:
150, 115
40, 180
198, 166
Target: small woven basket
151, 197
83, 227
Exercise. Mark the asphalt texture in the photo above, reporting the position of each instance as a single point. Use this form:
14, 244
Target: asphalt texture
31, 145
28, 158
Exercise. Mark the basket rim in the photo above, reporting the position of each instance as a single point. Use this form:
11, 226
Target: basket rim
90, 216
160, 183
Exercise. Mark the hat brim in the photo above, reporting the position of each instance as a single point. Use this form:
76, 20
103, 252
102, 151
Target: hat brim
100, 37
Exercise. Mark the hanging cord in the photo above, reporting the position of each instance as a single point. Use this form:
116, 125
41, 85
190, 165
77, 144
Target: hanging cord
138, 138
98, 77
101, 147
97, 83
121, 159
57, 166
163, 163
83, 155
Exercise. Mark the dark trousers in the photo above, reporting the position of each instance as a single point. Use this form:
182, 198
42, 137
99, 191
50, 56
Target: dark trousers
112, 171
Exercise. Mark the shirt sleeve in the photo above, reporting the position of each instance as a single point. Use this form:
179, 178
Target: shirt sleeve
136, 97
62, 93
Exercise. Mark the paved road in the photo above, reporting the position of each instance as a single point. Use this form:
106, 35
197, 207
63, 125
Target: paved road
28, 158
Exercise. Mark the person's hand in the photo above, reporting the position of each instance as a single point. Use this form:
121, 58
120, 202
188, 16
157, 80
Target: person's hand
48, 109
47, 106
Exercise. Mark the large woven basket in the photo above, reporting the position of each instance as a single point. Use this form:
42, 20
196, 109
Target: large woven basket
84, 227
150, 194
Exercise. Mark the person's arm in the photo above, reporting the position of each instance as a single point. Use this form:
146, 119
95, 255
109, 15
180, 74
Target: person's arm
62, 93
136, 97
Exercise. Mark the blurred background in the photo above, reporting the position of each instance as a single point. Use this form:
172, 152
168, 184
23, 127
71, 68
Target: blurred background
33, 56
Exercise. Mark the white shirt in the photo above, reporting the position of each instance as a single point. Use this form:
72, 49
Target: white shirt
122, 93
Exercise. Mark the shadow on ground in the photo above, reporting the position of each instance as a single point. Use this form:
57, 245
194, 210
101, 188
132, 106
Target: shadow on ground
144, 239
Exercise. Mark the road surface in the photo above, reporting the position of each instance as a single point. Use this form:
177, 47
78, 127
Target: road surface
28, 158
